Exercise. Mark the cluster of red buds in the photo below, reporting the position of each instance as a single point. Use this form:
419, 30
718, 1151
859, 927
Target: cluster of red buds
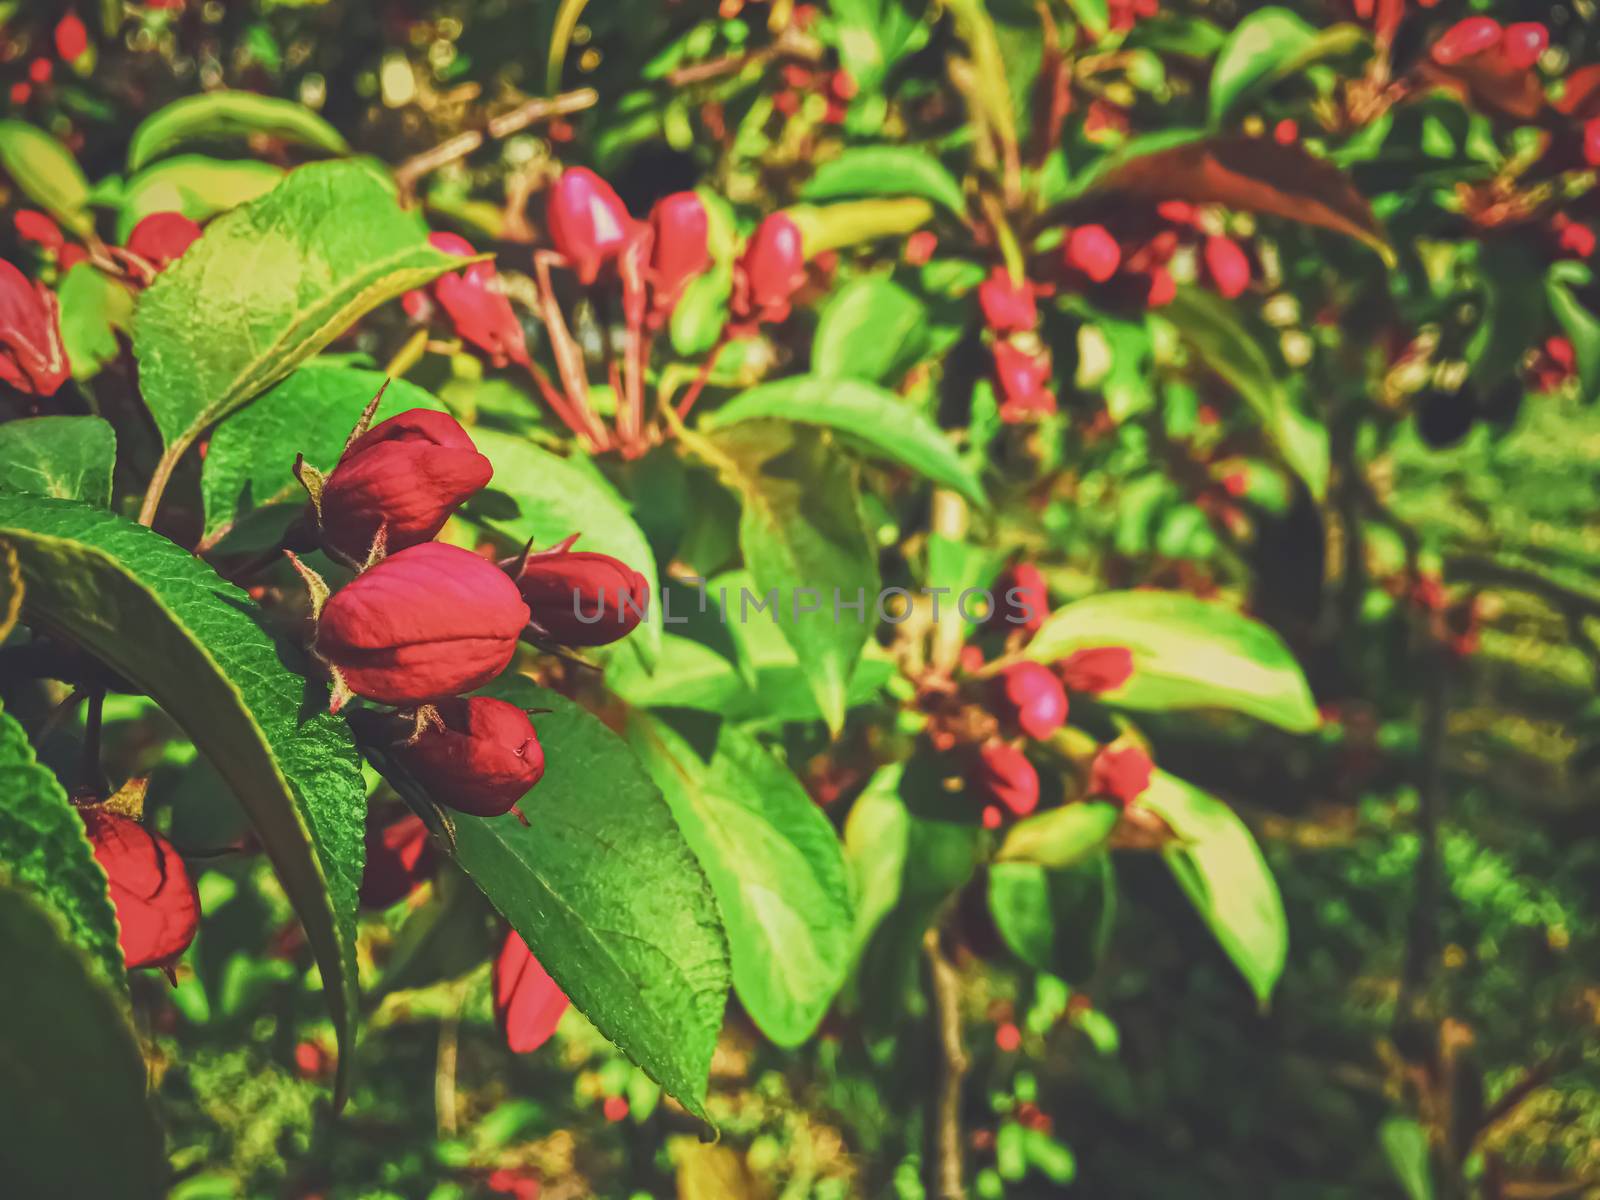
423, 622
70, 41
1455, 624
837, 88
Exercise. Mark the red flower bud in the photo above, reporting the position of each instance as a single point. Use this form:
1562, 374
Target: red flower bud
430, 621
920, 247
1007, 307
72, 39
399, 858
1092, 250
1022, 600
480, 758
1466, 38
476, 306
589, 225
162, 237
678, 250
1227, 267
40, 70
1286, 132
1573, 237
32, 358
1004, 775
1163, 288
1120, 773
408, 473
1023, 380
1553, 365
527, 1003
1591, 142
1033, 699
771, 270
1523, 43
582, 598
157, 908
39, 229
1100, 669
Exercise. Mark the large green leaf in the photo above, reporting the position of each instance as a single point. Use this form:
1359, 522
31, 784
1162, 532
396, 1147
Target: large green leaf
270, 284
887, 425
1581, 326
47, 174
194, 185
94, 307
1057, 921
1270, 44
877, 836
1212, 326
775, 865
1219, 866
805, 545
607, 894
886, 171
1060, 837
74, 1121
871, 329
195, 644
538, 495
43, 845
250, 459
1187, 653
69, 458
229, 114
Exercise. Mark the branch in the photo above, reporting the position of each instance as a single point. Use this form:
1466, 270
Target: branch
946, 986
519, 118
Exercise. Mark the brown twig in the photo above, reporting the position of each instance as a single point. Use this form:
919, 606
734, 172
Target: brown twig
517, 119
946, 988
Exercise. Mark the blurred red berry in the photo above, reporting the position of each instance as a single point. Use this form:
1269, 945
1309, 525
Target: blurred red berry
527, 1003
1465, 39
1286, 132
1572, 237
1227, 267
477, 306
161, 238
20, 93
1120, 773
1023, 380
38, 228
1008, 307
678, 250
1591, 142
1523, 43
1032, 698
1092, 250
40, 70
1007, 1037
519, 1185
1022, 600
771, 270
399, 858
992, 817
1163, 288
615, 1109
1553, 365
72, 39
1095, 670
588, 223
920, 247
1003, 775
312, 1060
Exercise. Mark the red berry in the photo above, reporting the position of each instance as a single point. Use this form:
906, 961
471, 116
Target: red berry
771, 270
1022, 600
1007, 307
1227, 267
1033, 699
1591, 142
72, 39
1003, 775
615, 1109
1023, 380
1120, 773
1465, 39
920, 247
161, 238
480, 757
1092, 250
1163, 289
1523, 43
583, 598
678, 250
157, 908
38, 228
589, 225
40, 70
1286, 132
1007, 1037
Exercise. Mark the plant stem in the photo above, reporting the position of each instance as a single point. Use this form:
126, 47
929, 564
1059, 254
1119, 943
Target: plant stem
408, 173
165, 466
946, 988
701, 376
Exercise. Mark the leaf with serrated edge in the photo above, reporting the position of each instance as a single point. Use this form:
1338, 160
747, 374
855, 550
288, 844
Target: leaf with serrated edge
68, 458
70, 1070
606, 892
167, 623
775, 865
268, 285
43, 845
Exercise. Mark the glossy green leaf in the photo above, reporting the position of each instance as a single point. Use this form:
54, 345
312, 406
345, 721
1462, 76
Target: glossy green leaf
775, 866
805, 545
94, 309
46, 173
1057, 921
70, 1069
826, 227
538, 495
229, 114
1060, 837
195, 644
43, 845
1270, 44
702, 312
69, 458
1211, 325
194, 185
886, 171
870, 329
607, 894
270, 284
877, 836
1220, 868
1187, 653
250, 459
886, 424
1405, 1144
1581, 326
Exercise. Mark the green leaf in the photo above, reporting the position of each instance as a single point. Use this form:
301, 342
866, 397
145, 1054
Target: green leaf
539, 495
1581, 326
270, 284
94, 307
1057, 921
702, 311
607, 894
43, 845
887, 425
47, 174
877, 835
448, 937
1061, 837
886, 171
69, 458
70, 1069
1268, 45
229, 114
1093, 15
195, 644
852, 222
1211, 325
870, 329
1187, 653
775, 867
250, 458
804, 542
194, 185
1405, 1145
1220, 868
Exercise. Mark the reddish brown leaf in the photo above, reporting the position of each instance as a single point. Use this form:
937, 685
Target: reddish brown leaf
1493, 85
1254, 175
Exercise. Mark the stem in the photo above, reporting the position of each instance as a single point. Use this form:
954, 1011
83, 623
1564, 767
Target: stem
444, 1068
462, 144
569, 357
1422, 938
94, 776
165, 466
558, 404
701, 376
946, 987
949, 520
